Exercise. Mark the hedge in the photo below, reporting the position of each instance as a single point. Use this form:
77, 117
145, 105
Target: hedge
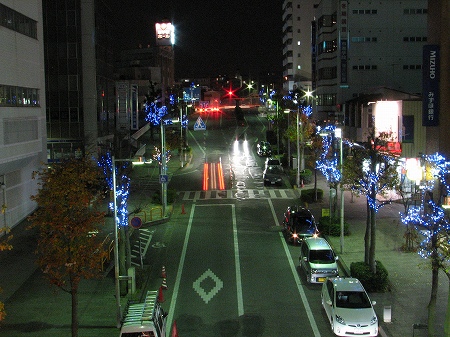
378, 282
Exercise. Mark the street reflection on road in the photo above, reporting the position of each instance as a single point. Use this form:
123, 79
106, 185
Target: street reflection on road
246, 172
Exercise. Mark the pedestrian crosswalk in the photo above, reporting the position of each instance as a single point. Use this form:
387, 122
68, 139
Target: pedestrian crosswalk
238, 194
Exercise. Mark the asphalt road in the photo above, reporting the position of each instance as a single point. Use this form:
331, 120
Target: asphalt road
235, 273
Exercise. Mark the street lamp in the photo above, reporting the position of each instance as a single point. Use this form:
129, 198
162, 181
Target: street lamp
338, 134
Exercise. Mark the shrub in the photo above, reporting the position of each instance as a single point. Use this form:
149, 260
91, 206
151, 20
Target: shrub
333, 228
171, 196
378, 282
308, 195
306, 176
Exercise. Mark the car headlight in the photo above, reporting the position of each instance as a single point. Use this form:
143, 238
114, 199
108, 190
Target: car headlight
374, 320
339, 319
314, 271
335, 271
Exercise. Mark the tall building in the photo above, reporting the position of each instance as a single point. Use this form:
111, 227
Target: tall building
363, 45
297, 67
22, 107
79, 70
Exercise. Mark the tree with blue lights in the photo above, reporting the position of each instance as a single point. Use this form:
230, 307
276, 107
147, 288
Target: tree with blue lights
375, 172
432, 222
328, 160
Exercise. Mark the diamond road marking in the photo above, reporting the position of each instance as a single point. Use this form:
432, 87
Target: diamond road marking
207, 296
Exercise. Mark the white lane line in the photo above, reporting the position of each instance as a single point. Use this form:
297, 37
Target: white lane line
237, 264
309, 313
176, 287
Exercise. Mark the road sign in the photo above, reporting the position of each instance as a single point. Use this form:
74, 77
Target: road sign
163, 178
199, 125
136, 222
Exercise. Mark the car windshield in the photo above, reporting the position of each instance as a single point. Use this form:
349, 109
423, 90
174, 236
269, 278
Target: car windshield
303, 224
321, 256
352, 299
274, 170
273, 162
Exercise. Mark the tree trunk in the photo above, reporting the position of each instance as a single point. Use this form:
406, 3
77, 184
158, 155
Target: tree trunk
373, 227
122, 261
434, 284
447, 313
315, 184
367, 236
74, 293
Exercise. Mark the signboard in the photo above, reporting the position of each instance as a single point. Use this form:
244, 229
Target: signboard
430, 89
342, 22
134, 107
165, 34
163, 178
122, 113
136, 222
199, 125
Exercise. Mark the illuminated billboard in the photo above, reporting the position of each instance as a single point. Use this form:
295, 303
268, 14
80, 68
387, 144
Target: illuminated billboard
165, 34
387, 117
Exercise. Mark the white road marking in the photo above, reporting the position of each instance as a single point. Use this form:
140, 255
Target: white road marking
237, 264
207, 296
309, 313
176, 287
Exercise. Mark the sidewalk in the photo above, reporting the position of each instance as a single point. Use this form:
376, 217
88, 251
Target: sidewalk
409, 274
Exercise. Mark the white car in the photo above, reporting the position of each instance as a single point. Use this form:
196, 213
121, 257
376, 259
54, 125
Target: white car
348, 307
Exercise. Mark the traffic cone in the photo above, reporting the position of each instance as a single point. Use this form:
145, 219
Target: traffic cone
182, 209
160, 295
163, 272
174, 329
164, 284
302, 184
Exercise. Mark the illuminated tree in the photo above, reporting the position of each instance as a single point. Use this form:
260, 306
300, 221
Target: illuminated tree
433, 223
69, 248
375, 173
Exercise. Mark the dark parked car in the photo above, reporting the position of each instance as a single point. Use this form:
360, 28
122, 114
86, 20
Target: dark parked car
263, 149
272, 162
273, 175
299, 223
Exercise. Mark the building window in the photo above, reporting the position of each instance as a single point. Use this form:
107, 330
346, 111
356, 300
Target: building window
18, 22
18, 96
408, 129
72, 82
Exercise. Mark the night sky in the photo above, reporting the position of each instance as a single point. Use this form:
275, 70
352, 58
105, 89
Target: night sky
211, 37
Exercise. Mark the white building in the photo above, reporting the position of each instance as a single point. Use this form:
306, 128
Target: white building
22, 107
366, 44
297, 17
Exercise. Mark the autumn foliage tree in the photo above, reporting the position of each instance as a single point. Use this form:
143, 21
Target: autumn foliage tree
68, 220
4, 245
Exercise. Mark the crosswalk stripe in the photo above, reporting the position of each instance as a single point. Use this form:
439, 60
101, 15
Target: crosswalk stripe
233, 194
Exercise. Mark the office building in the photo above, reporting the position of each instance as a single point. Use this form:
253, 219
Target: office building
297, 66
79, 76
364, 45
22, 107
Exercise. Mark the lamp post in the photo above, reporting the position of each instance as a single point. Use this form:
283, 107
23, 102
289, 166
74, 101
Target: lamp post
298, 149
116, 247
117, 277
338, 133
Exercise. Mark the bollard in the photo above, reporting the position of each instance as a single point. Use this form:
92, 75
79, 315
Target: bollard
387, 314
